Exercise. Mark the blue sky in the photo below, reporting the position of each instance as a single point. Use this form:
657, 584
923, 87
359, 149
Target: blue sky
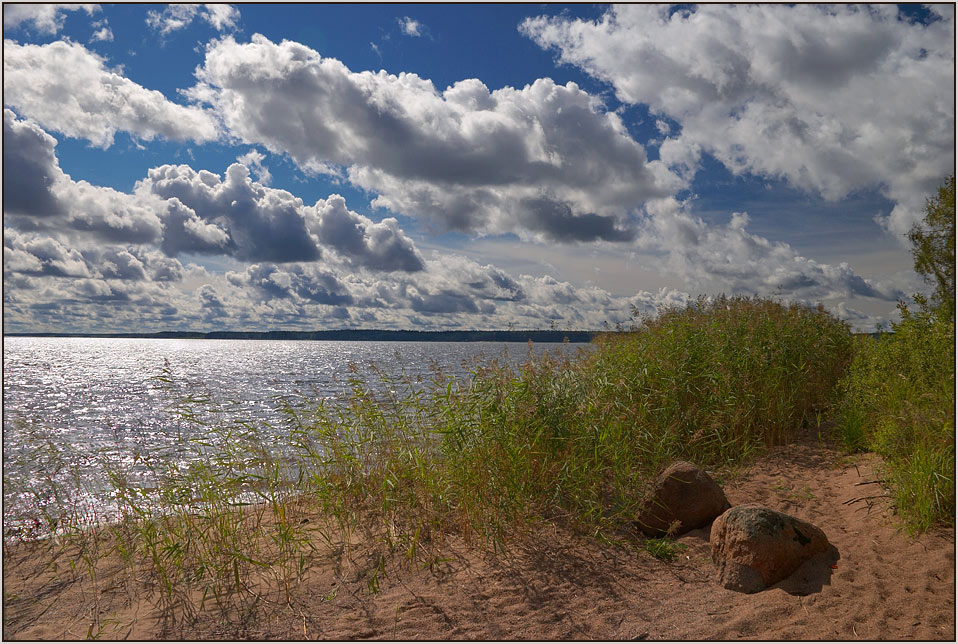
463, 166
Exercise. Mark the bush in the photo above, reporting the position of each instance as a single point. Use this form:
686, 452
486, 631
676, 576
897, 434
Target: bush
898, 400
899, 396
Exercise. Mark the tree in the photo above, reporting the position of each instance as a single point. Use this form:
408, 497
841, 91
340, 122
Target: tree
933, 246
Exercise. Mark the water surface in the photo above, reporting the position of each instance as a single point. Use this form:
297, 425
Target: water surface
70, 402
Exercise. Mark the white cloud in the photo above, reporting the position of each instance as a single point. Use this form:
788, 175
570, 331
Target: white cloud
263, 224
409, 26
254, 161
832, 98
730, 259
252, 222
174, 17
42, 255
221, 16
380, 246
38, 195
44, 18
182, 210
546, 160
72, 248
67, 88
103, 32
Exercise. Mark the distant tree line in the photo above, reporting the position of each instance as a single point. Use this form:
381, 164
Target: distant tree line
348, 334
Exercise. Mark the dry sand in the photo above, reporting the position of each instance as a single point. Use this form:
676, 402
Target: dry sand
884, 585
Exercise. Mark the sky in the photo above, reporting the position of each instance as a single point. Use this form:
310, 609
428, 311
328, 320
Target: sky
412, 166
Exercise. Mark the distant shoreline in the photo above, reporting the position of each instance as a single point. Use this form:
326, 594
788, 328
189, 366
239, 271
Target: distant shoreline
373, 335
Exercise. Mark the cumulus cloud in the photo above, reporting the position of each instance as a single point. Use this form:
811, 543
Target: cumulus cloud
297, 281
30, 169
110, 214
212, 306
174, 17
252, 222
263, 224
44, 18
831, 98
78, 244
379, 246
103, 32
221, 17
185, 232
121, 264
541, 161
64, 87
254, 161
37, 255
39, 196
187, 211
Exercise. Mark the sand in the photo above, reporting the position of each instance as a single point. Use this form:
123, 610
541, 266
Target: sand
883, 586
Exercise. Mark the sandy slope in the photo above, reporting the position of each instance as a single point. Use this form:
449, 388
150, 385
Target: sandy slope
884, 585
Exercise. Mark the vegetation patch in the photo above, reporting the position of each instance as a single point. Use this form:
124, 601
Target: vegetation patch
898, 398
664, 548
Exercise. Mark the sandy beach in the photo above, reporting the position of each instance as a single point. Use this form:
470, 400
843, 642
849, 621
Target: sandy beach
555, 585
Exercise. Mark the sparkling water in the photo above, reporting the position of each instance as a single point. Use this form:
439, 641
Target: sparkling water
70, 403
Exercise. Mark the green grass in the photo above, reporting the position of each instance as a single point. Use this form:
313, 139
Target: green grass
664, 548
574, 440
898, 400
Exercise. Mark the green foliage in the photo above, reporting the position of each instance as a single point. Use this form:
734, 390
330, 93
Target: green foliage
933, 246
664, 548
898, 400
579, 439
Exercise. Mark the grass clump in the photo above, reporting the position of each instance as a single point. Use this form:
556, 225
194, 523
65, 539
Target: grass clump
664, 548
899, 401
715, 380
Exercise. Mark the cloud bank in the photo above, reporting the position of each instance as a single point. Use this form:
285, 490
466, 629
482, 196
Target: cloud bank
831, 98
545, 161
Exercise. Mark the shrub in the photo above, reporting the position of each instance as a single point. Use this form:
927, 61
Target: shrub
899, 396
898, 399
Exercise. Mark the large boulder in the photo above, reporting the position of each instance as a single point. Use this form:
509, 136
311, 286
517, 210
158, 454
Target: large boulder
683, 497
755, 546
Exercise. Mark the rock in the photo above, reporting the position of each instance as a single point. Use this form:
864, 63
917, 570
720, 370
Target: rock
755, 546
682, 493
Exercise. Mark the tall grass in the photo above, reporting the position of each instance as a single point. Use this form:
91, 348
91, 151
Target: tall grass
578, 439
898, 400
239, 509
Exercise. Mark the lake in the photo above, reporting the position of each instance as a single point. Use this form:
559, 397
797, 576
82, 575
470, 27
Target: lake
70, 402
